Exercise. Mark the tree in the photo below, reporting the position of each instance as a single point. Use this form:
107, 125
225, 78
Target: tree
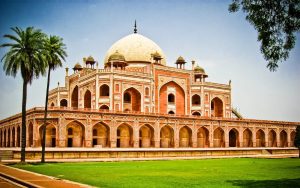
25, 56
297, 139
54, 51
276, 21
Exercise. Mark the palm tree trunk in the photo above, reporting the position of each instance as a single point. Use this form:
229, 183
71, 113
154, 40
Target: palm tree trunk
23, 144
45, 118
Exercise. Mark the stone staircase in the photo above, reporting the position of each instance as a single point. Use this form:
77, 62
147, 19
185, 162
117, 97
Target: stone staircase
6, 155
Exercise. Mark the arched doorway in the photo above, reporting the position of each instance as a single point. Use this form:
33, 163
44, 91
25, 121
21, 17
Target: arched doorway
219, 137
87, 99
203, 137
74, 101
171, 95
166, 137
104, 90
75, 134
104, 107
124, 136
272, 139
233, 138
64, 103
101, 134
247, 138
146, 134
283, 139
50, 135
18, 136
30, 135
196, 100
196, 113
132, 100
171, 112
185, 137
293, 135
216, 107
260, 138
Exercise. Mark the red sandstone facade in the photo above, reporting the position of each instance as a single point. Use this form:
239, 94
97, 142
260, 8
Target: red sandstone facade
137, 101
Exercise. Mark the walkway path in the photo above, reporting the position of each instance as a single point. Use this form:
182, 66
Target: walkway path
30, 179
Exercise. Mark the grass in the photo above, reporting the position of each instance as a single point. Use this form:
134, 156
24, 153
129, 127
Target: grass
236, 172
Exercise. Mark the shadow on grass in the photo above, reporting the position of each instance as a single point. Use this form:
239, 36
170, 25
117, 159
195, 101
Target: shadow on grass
266, 183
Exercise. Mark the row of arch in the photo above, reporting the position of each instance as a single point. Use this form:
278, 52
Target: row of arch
75, 137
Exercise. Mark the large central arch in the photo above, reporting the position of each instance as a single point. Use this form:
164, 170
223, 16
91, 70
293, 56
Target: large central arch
179, 100
132, 100
217, 107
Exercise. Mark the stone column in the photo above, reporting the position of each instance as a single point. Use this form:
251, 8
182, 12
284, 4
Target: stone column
113, 134
289, 138
241, 137
211, 136
156, 135
176, 136
61, 132
226, 132
266, 138
254, 137
27, 134
136, 138
88, 134
278, 138
194, 137
10, 137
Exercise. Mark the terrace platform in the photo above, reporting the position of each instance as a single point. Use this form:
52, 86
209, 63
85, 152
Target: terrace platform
120, 154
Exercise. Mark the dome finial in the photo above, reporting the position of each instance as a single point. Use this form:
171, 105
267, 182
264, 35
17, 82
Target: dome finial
135, 30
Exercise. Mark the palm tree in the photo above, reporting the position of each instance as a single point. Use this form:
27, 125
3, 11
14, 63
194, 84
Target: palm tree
25, 56
54, 51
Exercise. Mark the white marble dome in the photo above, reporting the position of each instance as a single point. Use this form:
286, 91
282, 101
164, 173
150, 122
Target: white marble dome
135, 48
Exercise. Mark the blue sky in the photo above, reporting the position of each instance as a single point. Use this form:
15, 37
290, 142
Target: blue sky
224, 44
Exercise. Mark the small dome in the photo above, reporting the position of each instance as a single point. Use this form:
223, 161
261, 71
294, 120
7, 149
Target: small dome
199, 69
116, 57
156, 55
77, 66
90, 59
180, 60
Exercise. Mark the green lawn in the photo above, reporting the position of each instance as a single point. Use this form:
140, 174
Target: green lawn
236, 172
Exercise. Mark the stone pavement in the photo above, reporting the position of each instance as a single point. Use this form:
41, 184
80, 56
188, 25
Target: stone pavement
31, 179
